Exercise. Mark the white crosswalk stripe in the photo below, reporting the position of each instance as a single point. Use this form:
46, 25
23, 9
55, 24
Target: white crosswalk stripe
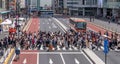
64, 48
71, 48
41, 48
58, 48
75, 48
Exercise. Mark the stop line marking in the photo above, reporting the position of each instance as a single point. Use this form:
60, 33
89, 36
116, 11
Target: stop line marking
51, 52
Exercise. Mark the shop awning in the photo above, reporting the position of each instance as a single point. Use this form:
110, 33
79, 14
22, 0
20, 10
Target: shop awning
4, 12
7, 21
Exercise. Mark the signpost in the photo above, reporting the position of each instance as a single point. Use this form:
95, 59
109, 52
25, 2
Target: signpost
106, 49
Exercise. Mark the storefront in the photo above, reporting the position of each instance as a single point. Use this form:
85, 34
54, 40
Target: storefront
6, 24
3, 15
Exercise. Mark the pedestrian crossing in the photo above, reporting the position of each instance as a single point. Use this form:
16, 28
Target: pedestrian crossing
58, 48
71, 48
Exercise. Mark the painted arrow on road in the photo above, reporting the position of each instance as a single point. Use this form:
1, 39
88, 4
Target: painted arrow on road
50, 61
25, 61
76, 61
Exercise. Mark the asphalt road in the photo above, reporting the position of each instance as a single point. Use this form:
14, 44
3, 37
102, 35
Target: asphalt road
113, 57
49, 24
47, 58
60, 57
63, 20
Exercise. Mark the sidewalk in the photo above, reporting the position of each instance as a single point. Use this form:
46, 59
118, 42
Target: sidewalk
5, 54
104, 24
3, 35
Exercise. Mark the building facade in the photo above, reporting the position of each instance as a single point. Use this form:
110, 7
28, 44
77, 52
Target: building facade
34, 5
80, 7
3, 12
58, 6
111, 8
88, 7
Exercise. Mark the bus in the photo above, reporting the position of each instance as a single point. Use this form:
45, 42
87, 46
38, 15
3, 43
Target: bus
46, 13
78, 24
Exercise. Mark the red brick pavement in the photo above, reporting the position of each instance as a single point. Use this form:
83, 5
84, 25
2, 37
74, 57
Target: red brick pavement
34, 26
97, 29
30, 59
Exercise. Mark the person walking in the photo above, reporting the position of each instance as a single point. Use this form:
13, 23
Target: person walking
17, 51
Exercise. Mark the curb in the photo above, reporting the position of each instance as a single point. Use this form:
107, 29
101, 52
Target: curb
99, 61
88, 57
9, 56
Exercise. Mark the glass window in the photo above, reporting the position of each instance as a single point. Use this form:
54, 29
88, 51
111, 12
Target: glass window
81, 25
0, 3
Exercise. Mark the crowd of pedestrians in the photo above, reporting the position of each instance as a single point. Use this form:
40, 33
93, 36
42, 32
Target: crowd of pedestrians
80, 40
50, 40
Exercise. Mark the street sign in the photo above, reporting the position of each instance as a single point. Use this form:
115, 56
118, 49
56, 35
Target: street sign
106, 49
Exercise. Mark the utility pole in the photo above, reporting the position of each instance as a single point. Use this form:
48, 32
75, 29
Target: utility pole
17, 16
90, 9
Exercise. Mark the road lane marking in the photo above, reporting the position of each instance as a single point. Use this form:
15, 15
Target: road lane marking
37, 58
13, 59
76, 61
87, 58
60, 25
53, 25
51, 52
50, 61
25, 61
62, 58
